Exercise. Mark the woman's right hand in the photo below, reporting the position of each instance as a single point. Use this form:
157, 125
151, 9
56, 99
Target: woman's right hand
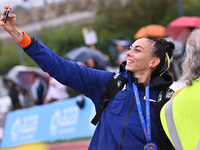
10, 25
11, 21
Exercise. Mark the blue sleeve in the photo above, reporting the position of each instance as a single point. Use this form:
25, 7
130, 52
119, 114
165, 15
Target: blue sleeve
88, 81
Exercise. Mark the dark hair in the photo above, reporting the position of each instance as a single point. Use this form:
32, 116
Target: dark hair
161, 47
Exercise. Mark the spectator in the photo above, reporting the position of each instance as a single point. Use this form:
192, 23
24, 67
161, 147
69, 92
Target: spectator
38, 89
180, 116
14, 94
92, 63
56, 91
25, 96
122, 47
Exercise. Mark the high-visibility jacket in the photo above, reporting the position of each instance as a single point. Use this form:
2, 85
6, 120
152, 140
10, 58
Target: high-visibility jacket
180, 118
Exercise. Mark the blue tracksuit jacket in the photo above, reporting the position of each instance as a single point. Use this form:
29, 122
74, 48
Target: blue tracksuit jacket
119, 126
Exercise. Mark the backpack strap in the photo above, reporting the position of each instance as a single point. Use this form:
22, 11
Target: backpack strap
115, 84
163, 97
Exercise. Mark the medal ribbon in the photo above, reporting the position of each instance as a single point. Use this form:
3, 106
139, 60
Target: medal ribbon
146, 126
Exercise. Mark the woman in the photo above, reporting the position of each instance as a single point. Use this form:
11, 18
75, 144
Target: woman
180, 116
120, 126
14, 90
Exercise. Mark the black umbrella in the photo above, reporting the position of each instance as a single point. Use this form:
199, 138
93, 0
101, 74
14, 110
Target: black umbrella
83, 53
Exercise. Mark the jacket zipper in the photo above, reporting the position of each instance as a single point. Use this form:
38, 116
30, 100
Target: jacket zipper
122, 139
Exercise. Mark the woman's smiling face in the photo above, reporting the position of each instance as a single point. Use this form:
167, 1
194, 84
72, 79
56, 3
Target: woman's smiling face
139, 55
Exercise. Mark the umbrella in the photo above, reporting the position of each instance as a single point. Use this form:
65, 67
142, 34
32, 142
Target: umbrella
20, 75
13, 72
152, 29
24, 76
83, 53
181, 27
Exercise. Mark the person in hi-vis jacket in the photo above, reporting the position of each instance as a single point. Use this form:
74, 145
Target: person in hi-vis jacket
180, 116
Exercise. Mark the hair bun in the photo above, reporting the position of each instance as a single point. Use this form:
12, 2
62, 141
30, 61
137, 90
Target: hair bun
168, 46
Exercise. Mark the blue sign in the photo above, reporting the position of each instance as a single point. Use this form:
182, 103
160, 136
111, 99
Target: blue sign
60, 120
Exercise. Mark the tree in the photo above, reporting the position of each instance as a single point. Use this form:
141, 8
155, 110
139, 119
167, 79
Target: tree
64, 39
132, 15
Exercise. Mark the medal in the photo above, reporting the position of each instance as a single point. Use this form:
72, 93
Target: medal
150, 146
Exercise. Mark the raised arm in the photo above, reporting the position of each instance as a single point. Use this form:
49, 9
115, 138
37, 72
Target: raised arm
86, 80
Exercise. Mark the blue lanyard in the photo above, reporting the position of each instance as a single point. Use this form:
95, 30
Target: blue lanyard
146, 126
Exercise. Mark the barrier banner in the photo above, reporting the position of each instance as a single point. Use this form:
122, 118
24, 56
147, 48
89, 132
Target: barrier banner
62, 120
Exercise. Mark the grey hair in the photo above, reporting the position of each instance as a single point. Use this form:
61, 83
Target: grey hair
191, 65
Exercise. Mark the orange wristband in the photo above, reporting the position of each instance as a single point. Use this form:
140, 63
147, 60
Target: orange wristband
26, 41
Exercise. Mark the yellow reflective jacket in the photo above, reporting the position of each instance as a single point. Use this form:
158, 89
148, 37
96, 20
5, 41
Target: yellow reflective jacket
180, 118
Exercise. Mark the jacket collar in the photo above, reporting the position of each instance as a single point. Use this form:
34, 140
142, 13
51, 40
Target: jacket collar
163, 81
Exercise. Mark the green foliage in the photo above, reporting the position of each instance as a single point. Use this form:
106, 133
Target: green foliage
1, 44
191, 8
64, 39
8, 58
131, 16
